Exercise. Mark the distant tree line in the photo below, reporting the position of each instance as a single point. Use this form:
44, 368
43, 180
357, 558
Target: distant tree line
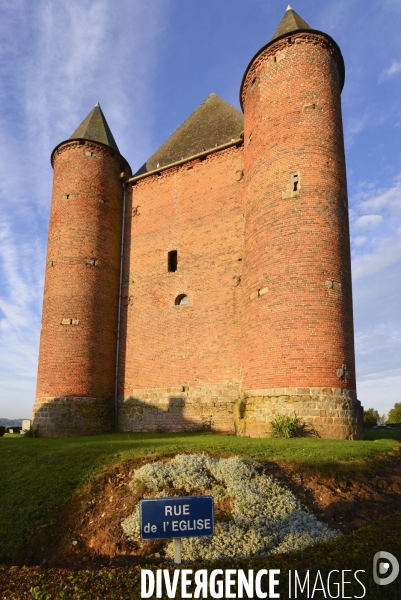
371, 416
394, 416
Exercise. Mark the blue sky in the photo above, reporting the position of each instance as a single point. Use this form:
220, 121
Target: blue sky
150, 63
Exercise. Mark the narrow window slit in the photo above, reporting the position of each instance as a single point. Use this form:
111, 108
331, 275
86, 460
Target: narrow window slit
172, 261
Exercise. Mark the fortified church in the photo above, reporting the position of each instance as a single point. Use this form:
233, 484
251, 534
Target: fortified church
212, 288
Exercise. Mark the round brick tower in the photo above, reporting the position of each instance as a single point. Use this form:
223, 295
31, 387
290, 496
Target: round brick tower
80, 308
298, 344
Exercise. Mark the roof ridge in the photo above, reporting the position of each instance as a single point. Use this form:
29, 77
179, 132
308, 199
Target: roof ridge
213, 123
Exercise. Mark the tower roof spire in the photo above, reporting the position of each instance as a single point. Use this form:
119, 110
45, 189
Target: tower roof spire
95, 128
290, 22
293, 23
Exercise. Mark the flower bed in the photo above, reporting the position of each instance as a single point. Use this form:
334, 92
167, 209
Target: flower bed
256, 515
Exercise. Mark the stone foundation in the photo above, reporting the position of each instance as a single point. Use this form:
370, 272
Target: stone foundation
328, 412
193, 408
70, 416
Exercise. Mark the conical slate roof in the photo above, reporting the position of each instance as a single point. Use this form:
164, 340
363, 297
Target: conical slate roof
290, 22
213, 123
95, 128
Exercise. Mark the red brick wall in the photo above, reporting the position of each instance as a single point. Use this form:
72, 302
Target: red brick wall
299, 331
265, 265
195, 209
82, 275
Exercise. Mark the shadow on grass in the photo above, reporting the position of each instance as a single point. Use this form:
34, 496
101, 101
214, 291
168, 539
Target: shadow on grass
383, 434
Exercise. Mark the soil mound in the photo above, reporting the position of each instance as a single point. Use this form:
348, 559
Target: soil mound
89, 534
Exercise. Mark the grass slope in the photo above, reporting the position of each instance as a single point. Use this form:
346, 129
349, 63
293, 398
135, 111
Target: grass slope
41, 474
351, 553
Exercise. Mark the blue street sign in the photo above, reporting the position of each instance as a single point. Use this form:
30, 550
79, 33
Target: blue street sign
178, 517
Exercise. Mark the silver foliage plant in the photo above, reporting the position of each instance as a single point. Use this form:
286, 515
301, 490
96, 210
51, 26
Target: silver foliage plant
265, 518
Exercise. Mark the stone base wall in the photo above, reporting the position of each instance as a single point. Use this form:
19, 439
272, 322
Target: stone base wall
328, 412
193, 408
70, 416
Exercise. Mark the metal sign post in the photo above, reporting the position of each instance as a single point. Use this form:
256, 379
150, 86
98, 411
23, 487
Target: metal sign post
177, 551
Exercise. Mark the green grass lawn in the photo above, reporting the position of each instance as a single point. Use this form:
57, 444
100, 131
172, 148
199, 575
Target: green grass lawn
384, 434
350, 553
39, 475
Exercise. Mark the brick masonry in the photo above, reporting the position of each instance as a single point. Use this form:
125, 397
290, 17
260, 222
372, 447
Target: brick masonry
261, 233
195, 209
75, 384
300, 331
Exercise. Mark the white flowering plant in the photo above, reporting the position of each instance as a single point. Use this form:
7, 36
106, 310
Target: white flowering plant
263, 516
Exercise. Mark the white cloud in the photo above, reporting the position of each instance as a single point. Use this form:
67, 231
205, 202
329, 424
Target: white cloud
389, 199
368, 221
391, 71
380, 210
378, 339
377, 289
385, 254
359, 240
57, 59
380, 392
355, 126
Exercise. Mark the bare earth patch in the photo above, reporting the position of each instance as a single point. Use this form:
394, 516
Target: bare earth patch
89, 533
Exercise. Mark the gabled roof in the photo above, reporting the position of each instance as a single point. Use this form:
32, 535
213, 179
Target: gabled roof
290, 22
95, 128
213, 123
